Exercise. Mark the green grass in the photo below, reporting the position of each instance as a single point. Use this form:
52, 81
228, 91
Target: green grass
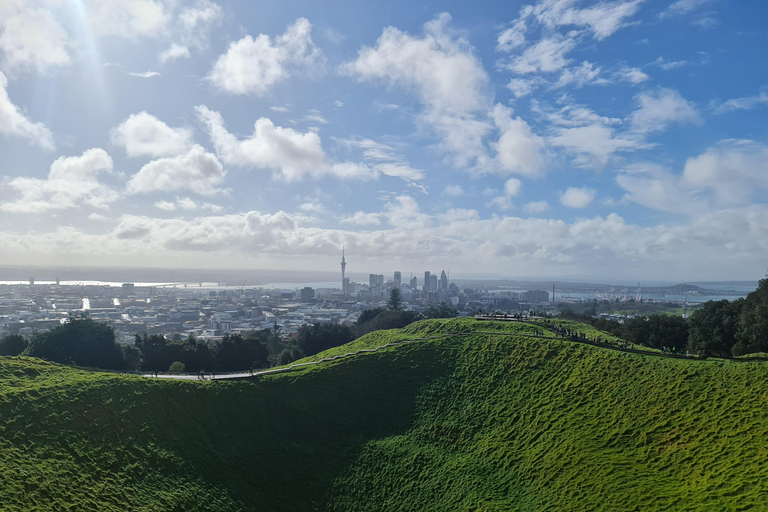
478, 422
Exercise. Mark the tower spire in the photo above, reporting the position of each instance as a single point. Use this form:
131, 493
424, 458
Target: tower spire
343, 268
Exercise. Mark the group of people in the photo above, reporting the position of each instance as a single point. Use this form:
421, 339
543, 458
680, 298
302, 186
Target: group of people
582, 336
201, 375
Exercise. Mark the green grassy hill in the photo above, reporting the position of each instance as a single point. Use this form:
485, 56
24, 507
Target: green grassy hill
476, 422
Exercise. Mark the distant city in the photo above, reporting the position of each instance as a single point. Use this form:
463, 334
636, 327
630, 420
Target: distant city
211, 303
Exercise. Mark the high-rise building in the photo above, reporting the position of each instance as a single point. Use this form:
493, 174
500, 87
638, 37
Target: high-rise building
426, 281
414, 283
433, 282
343, 268
345, 288
443, 286
398, 279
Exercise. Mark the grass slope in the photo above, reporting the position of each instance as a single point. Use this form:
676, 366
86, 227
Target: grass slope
478, 422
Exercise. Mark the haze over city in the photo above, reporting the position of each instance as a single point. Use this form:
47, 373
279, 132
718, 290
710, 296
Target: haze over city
622, 139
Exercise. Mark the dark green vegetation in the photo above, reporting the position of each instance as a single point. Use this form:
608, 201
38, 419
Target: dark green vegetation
475, 422
718, 328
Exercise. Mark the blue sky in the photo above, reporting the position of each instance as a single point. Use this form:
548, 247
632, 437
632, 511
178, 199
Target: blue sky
624, 139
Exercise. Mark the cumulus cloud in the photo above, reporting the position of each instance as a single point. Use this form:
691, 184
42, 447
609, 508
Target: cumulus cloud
536, 207
129, 18
175, 51
518, 149
593, 144
733, 171
446, 75
361, 218
196, 22
453, 190
146, 74
187, 204
72, 181
658, 109
658, 189
290, 153
143, 134
31, 40
14, 123
575, 197
197, 170
254, 66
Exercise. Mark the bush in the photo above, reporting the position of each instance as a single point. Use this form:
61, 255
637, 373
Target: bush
12, 345
177, 367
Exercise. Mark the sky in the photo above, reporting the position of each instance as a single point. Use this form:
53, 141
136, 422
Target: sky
625, 139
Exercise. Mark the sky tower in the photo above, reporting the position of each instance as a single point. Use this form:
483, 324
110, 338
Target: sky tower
343, 267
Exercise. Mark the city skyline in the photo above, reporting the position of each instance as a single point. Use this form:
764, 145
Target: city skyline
535, 139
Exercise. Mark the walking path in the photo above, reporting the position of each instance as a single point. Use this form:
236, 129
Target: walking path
248, 374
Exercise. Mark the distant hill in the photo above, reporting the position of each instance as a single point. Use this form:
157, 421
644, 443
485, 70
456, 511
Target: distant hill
480, 422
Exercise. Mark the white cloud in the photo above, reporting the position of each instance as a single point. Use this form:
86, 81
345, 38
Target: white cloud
362, 219
453, 190
631, 75
536, 207
681, 7
165, 205
196, 22
594, 144
656, 188
313, 207
512, 37
518, 149
72, 181
32, 40
188, 204
580, 76
144, 134
666, 65
512, 187
546, 56
197, 170
372, 150
98, 217
254, 66
657, 109
445, 74
14, 123
602, 19
279, 109
291, 154
175, 51
577, 197
746, 103
129, 18
147, 74
338, 104
733, 171
397, 170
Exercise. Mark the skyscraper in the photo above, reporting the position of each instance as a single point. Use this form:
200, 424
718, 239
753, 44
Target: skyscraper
398, 279
343, 268
414, 283
426, 281
443, 282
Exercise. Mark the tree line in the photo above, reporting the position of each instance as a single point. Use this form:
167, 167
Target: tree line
718, 328
84, 342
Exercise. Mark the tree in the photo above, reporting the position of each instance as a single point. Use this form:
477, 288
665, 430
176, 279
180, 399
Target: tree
177, 367
657, 331
442, 311
712, 328
322, 336
81, 341
238, 353
12, 345
395, 300
386, 319
368, 315
752, 331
